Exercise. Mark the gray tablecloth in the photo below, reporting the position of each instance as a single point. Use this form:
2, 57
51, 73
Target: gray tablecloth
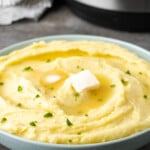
61, 20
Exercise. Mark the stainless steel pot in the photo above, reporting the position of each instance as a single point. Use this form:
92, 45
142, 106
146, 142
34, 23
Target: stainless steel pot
130, 15
119, 5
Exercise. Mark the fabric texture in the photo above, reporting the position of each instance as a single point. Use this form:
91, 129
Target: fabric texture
13, 10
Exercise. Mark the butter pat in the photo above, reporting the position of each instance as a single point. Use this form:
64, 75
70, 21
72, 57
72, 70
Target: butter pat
84, 80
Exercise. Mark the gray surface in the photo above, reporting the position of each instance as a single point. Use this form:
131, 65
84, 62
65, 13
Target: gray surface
62, 21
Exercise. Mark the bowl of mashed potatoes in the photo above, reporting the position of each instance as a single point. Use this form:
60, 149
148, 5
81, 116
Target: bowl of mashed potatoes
74, 92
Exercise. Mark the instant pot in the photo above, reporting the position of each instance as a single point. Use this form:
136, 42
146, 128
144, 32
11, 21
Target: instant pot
131, 15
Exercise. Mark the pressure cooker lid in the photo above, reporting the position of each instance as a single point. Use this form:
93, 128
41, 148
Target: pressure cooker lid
130, 15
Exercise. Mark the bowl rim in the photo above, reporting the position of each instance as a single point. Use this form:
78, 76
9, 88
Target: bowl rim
76, 37
144, 53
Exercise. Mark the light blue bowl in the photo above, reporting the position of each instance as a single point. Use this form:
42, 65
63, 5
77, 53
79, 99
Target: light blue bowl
129, 143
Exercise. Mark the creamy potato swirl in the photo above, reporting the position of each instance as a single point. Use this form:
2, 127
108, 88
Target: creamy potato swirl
33, 108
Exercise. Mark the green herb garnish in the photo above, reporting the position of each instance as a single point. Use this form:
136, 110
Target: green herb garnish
145, 96
28, 68
76, 95
124, 82
48, 115
1, 83
112, 85
4, 119
51, 88
48, 60
79, 67
79, 133
86, 115
37, 96
68, 122
19, 105
20, 89
70, 141
140, 73
128, 72
33, 123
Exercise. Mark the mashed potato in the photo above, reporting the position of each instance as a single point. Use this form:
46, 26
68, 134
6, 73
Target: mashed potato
36, 101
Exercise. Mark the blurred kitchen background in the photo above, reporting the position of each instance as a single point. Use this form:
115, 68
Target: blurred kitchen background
61, 19
109, 18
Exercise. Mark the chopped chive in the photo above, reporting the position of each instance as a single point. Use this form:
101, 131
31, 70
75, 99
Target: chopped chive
124, 82
112, 85
76, 95
48, 60
28, 68
70, 141
68, 122
4, 119
140, 73
51, 88
86, 115
20, 89
79, 67
145, 96
128, 72
48, 115
37, 96
79, 133
33, 123
19, 105
1, 83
